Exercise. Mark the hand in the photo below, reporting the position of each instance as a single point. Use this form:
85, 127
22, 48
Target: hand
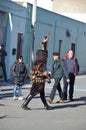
45, 73
68, 80
75, 74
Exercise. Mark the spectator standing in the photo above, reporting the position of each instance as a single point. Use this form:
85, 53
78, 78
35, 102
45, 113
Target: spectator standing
72, 68
18, 73
3, 53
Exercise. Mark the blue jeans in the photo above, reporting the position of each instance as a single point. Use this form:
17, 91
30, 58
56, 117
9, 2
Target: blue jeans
19, 88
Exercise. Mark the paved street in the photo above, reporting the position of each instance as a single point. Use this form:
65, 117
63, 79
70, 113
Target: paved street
65, 116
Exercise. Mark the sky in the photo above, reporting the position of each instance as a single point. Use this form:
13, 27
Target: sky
46, 4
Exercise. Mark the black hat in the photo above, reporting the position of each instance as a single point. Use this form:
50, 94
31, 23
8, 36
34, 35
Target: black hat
56, 53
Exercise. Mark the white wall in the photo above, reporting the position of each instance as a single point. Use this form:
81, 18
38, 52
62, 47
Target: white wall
46, 4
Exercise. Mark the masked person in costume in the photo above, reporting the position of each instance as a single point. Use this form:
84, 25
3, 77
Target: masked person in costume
37, 76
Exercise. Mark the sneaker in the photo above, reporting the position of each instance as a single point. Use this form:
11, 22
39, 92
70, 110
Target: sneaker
60, 101
20, 98
65, 98
48, 108
71, 99
14, 98
50, 100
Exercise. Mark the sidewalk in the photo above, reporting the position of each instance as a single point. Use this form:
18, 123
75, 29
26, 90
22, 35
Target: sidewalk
6, 88
65, 116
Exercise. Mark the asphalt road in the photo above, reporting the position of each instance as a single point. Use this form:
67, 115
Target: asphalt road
65, 116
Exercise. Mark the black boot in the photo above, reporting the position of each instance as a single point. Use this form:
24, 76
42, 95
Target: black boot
26, 108
25, 103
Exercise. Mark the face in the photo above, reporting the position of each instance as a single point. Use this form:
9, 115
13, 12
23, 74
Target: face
70, 54
55, 57
20, 60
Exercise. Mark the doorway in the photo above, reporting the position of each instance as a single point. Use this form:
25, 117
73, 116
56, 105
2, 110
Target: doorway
60, 46
19, 44
73, 46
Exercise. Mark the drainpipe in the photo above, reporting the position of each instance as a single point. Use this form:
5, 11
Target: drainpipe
33, 28
34, 13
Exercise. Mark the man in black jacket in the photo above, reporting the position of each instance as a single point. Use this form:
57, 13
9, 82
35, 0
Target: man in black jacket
3, 53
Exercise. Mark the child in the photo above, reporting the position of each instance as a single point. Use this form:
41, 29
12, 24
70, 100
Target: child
18, 73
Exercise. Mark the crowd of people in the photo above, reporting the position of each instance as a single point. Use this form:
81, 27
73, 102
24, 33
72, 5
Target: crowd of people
66, 68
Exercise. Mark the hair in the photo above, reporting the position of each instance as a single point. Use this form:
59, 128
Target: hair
37, 63
19, 57
56, 54
2, 46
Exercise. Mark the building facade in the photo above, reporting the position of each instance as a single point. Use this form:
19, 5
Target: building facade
65, 34
16, 34
15, 24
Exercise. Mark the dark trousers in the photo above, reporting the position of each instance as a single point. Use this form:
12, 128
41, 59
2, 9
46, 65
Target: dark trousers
4, 70
36, 89
71, 86
55, 87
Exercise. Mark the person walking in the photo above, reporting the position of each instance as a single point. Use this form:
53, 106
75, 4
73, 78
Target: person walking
37, 76
3, 53
72, 68
18, 73
58, 70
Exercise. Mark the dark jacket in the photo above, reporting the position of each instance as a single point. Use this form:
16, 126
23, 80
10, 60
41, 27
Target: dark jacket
59, 69
3, 53
18, 73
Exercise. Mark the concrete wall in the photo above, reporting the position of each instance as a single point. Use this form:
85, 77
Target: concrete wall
18, 22
69, 6
57, 25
